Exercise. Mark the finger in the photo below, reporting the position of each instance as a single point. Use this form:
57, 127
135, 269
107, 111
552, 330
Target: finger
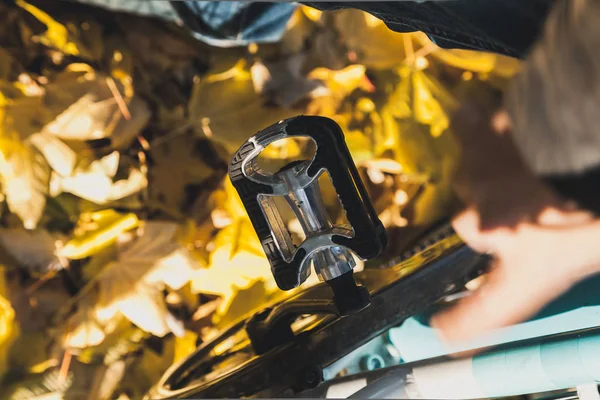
553, 216
506, 299
501, 122
467, 226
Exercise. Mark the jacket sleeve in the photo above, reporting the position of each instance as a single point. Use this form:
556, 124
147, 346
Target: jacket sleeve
554, 102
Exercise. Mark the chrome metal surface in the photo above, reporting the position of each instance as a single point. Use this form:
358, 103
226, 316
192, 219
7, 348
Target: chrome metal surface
253, 171
305, 201
307, 204
332, 262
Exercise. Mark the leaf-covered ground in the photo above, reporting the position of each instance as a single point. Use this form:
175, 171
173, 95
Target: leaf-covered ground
122, 243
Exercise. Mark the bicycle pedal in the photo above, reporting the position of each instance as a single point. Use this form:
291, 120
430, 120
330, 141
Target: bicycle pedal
327, 247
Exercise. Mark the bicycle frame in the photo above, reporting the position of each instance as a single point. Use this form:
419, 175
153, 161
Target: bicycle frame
537, 365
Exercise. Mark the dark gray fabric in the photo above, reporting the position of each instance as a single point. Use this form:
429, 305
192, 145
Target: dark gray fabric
507, 27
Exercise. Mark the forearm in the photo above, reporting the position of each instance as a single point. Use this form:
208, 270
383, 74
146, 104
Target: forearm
582, 244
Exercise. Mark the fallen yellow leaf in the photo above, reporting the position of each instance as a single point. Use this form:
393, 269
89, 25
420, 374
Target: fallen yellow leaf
98, 230
24, 175
56, 35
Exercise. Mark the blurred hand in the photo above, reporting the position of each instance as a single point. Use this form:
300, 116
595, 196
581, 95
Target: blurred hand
540, 244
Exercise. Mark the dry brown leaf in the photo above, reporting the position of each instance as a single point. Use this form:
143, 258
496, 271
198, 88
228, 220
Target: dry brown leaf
131, 284
226, 108
282, 82
108, 381
176, 164
95, 107
83, 329
299, 30
96, 182
237, 263
147, 369
8, 329
35, 251
60, 157
21, 113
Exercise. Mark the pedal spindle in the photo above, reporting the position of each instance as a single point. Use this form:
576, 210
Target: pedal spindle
327, 247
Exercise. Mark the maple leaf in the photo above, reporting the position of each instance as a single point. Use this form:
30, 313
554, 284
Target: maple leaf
237, 263
96, 231
34, 250
95, 183
282, 81
60, 157
22, 110
24, 175
8, 330
56, 34
103, 110
86, 330
176, 164
131, 285
227, 107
